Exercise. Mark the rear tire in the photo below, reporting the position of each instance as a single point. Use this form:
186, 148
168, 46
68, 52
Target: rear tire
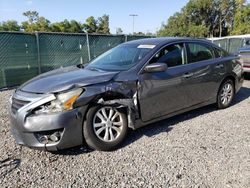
105, 127
226, 94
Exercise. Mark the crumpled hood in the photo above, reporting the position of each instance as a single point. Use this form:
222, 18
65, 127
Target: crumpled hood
65, 78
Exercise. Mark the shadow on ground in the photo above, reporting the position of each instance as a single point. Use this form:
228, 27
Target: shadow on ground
149, 130
242, 95
162, 126
166, 125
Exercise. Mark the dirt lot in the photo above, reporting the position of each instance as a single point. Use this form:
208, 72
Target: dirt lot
202, 148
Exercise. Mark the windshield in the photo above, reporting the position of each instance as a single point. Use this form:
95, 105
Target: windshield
119, 58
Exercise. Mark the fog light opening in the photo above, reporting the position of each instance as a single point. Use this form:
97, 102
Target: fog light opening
49, 137
43, 139
55, 137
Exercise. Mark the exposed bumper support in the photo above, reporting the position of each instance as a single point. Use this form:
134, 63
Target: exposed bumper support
129, 104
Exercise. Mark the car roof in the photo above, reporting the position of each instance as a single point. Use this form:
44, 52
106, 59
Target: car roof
164, 40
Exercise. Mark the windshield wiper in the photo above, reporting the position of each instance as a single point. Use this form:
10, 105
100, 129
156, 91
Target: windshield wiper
80, 66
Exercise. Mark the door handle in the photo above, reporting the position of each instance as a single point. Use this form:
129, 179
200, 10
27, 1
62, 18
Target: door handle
188, 75
219, 66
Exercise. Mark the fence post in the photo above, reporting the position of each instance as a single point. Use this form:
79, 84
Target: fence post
228, 44
38, 53
87, 36
126, 38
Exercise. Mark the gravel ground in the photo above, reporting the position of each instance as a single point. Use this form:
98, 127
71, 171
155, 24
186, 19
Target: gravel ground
202, 148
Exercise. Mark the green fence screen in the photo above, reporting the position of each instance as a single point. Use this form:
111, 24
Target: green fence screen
24, 56
18, 58
99, 44
59, 50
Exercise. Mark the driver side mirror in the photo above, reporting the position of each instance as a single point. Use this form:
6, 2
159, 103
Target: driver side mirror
156, 67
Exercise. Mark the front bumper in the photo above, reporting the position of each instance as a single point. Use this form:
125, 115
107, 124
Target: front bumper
30, 129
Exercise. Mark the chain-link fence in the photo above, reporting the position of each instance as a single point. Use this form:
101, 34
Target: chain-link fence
23, 56
18, 58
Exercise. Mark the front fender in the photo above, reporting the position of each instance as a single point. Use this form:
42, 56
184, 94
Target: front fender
118, 94
91, 93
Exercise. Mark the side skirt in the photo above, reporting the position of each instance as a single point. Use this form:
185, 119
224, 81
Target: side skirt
139, 123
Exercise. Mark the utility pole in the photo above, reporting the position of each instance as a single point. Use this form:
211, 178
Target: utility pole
133, 15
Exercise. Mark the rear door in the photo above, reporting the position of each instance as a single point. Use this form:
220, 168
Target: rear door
205, 71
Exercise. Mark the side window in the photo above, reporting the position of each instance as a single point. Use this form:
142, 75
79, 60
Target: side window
199, 52
220, 53
172, 55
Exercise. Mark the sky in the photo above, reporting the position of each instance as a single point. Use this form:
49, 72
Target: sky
151, 13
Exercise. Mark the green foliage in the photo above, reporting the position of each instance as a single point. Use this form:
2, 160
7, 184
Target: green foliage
242, 21
67, 26
91, 25
99, 25
103, 24
32, 16
75, 27
38, 23
208, 18
10, 25
199, 18
42, 24
30, 25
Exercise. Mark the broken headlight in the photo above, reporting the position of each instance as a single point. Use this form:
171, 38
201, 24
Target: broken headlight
63, 102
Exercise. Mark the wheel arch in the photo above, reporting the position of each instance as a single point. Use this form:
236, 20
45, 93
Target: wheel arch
119, 100
228, 77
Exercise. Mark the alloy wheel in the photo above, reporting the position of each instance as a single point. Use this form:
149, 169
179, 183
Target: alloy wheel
107, 124
226, 94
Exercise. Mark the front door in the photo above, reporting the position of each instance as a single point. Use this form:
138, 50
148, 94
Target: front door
161, 93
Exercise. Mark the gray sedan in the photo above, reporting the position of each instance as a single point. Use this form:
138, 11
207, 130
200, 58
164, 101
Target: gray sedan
129, 86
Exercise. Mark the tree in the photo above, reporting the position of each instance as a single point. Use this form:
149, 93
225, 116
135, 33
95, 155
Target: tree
39, 23
42, 24
203, 18
242, 20
30, 25
91, 25
32, 16
75, 27
67, 26
103, 24
9, 25
225, 14
57, 27
185, 23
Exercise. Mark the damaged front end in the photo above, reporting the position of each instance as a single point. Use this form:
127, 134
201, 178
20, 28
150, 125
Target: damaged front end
129, 104
117, 94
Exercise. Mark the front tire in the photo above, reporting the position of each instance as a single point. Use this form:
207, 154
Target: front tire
105, 127
226, 94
